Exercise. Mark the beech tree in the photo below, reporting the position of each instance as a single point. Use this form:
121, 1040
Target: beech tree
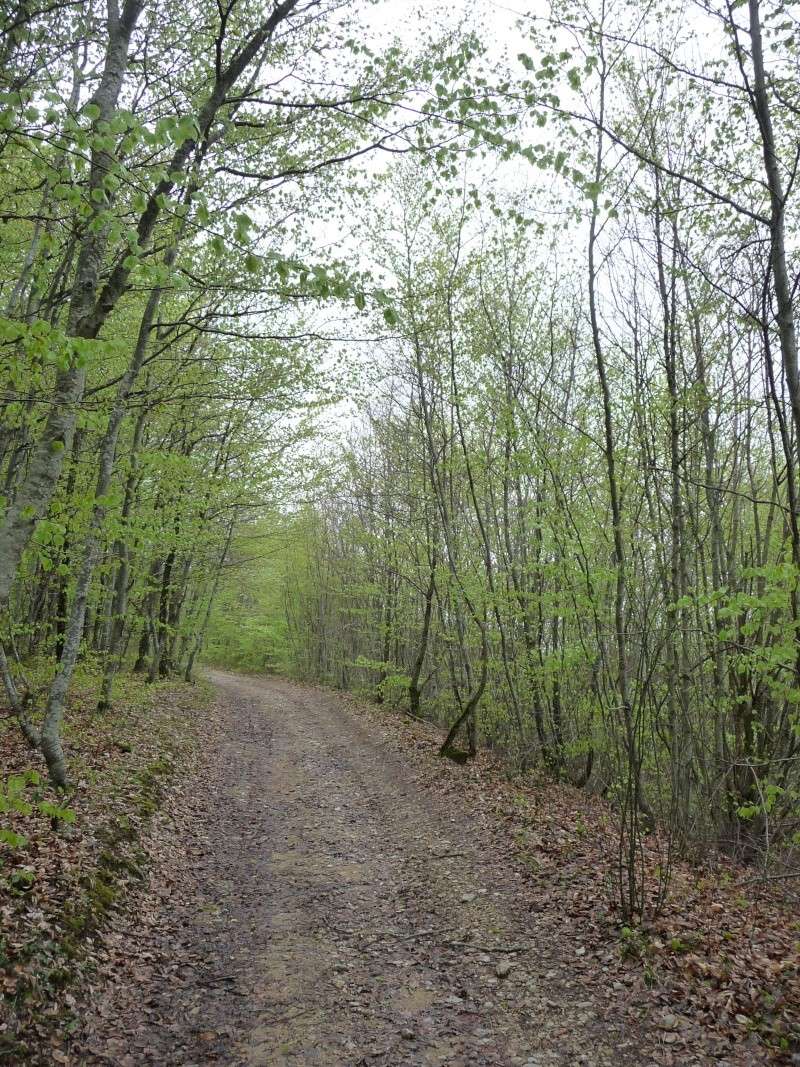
559, 515
135, 143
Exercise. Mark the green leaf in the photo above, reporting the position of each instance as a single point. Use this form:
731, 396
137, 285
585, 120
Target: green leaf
56, 812
8, 837
243, 224
22, 879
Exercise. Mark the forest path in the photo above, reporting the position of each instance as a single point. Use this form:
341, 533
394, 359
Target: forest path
335, 911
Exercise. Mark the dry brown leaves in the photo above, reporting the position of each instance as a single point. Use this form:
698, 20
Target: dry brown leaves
717, 972
720, 966
123, 765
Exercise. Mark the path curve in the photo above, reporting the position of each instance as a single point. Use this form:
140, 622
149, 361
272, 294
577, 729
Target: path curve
336, 911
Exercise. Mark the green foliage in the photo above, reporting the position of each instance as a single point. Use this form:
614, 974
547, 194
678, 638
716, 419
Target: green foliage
12, 839
21, 879
634, 943
564, 496
22, 794
248, 629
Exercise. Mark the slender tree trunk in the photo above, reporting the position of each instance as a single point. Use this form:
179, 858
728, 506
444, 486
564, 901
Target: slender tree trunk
620, 624
51, 727
119, 600
414, 691
201, 632
35, 493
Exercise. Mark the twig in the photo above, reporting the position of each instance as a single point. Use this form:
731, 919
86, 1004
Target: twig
289, 1018
769, 878
489, 948
406, 937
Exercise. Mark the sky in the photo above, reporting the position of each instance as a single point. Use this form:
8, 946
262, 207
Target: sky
413, 23
497, 26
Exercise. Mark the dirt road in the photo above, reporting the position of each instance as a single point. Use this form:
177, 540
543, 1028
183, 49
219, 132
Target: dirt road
334, 911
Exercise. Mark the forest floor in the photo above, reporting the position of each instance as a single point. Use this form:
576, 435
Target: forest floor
61, 883
325, 891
